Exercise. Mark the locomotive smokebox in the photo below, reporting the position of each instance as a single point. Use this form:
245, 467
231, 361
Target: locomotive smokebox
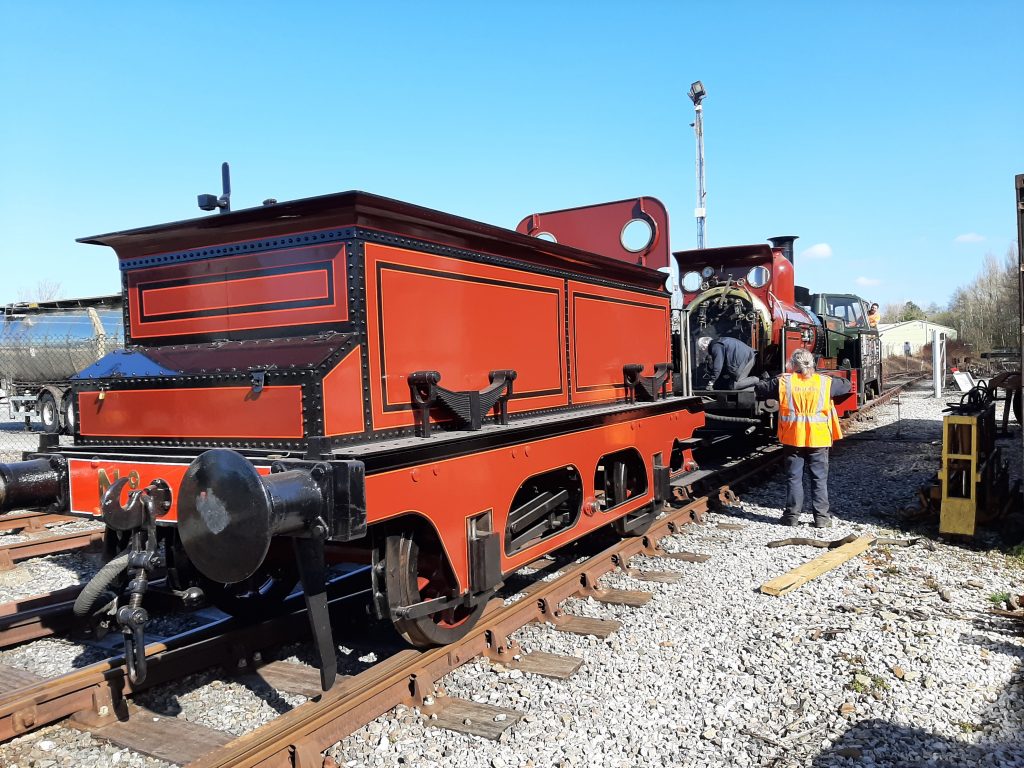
228, 512
785, 244
29, 484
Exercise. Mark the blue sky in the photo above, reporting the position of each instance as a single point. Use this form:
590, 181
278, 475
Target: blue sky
886, 135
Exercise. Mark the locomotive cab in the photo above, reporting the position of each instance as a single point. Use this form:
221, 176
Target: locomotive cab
851, 346
747, 293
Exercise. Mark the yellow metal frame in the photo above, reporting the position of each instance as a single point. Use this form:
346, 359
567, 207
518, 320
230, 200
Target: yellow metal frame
973, 480
958, 514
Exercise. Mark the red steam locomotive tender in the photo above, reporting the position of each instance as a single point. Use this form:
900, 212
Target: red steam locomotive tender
350, 378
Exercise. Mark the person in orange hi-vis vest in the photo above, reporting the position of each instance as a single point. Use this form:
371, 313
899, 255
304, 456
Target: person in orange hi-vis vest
808, 425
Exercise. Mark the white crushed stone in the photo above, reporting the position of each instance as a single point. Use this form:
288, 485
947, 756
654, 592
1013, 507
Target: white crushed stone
711, 672
865, 665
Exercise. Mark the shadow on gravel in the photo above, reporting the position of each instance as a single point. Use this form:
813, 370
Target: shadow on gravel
1006, 649
741, 512
894, 745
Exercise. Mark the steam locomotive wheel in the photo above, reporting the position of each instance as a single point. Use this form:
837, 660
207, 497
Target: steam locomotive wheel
260, 595
414, 574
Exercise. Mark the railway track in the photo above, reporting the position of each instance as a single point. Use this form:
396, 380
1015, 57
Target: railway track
97, 697
901, 383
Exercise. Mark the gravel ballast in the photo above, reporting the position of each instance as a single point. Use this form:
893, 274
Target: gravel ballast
890, 659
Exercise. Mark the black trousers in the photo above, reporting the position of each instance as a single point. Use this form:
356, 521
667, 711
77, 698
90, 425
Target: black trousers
743, 380
815, 460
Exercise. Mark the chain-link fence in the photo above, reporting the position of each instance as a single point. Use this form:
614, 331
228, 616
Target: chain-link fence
38, 356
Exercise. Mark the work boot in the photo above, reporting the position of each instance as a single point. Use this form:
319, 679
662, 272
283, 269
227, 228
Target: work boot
822, 522
790, 520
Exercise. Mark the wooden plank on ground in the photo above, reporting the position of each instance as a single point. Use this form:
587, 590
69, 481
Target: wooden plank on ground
470, 717
587, 625
661, 577
1018, 615
687, 557
631, 597
546, 664
12, 678
540, 563
290, 677
165, 738
731, 526
787, 582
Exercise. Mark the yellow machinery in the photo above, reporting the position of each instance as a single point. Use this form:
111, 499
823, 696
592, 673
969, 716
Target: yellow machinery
973, 479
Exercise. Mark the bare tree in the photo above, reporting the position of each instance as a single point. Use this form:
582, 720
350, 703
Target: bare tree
984, 312
891, 313
45, 290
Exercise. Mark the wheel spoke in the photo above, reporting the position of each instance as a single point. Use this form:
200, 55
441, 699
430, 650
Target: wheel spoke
419, 575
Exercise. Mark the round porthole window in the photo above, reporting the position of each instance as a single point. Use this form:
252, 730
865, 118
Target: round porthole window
637, 235
691, 282
546, 236
758, 277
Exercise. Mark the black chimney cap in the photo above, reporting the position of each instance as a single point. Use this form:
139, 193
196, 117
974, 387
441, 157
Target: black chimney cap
785, 244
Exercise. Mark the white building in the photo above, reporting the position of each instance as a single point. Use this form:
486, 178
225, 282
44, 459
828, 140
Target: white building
916, 333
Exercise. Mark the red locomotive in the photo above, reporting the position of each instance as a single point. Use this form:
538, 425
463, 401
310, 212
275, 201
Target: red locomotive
748, 292
353, 378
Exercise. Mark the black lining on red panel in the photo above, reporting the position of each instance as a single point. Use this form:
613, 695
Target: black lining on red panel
381, 266
325, 266
575, 362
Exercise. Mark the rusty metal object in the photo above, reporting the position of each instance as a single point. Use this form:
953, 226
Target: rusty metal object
37, 616
823, 544
726, 497
32, 521
50, 545
78, 692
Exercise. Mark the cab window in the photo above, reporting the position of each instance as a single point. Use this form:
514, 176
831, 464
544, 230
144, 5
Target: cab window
850, 311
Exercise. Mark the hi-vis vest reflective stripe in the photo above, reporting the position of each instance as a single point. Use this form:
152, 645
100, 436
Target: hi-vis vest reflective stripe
807, 418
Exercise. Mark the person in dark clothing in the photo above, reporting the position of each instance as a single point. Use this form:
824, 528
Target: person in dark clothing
808, 425
728, 363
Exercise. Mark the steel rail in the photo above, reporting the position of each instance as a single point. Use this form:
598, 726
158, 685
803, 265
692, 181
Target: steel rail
51, 613
37, 616
33, 521
882, 399
96, 694
297, 738
48, 545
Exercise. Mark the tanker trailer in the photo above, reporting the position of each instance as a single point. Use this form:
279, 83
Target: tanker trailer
43, 344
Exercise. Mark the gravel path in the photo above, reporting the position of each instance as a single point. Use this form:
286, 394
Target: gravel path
890, 659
